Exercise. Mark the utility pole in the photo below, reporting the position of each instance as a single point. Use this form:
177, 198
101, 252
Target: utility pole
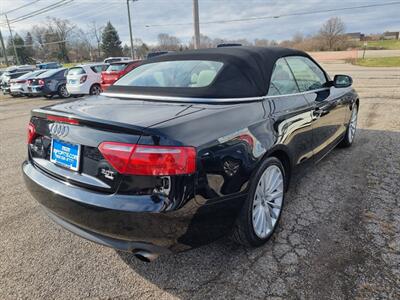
196, 24
4, 48
130, 28
12, 40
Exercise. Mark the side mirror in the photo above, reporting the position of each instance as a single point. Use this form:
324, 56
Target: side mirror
342, 81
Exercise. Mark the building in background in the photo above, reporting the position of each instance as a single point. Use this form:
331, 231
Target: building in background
355, 36
391, 35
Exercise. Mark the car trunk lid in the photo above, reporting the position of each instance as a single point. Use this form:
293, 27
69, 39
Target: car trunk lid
83, 125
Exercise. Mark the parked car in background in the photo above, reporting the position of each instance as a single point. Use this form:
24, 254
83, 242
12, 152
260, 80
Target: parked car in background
19, 86
188, 147
15, 69
85, 79
49, 65
157, 53
7, 77
50, 83
21, 68
109, 60
116, 70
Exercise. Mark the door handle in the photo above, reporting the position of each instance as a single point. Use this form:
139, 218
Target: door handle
319, 112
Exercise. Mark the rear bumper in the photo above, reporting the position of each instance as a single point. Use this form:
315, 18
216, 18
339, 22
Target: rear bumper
38, 90
78, 89
5, 90
16, 90
104, 240
127, 221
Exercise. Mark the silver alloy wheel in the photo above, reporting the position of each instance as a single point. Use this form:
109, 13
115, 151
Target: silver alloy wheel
352, 125
63, 91
267, 202
96, 90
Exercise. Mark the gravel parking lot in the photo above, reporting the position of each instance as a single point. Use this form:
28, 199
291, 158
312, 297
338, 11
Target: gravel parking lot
339, 235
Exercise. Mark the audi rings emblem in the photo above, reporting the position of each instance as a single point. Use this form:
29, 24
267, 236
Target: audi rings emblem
59, 130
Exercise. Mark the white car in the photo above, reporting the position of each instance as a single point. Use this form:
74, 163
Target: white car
85, 79
19, 86
112, 59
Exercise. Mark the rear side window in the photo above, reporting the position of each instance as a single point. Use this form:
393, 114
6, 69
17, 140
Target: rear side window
98, 69
308, 75
177, 73
76, 71
282, 80
116, 67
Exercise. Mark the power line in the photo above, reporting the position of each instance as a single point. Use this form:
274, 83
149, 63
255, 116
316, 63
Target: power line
279, 16
41, 44
87, 13
40, 11
18, 8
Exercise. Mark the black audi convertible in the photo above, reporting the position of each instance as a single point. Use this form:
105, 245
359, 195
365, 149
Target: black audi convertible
187, 147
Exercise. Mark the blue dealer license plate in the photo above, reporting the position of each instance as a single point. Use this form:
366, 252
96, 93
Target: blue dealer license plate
65, 154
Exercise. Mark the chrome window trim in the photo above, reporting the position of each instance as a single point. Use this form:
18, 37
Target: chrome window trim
181, 99
203, 100
300, 93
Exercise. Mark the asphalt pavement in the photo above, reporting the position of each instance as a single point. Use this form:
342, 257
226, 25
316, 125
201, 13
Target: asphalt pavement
339, 235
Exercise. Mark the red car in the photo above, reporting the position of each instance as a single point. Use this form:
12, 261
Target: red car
115, 71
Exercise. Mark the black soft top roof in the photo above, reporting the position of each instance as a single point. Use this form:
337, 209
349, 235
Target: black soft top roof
246, 72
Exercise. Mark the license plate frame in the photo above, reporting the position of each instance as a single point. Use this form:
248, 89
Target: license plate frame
61, 159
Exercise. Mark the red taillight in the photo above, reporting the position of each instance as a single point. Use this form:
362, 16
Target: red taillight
41, 82
246, 138
31, 133
20, 81
149, 160
83, 79
63, 120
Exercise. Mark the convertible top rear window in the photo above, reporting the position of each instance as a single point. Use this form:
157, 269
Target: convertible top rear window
213, 74
178, 73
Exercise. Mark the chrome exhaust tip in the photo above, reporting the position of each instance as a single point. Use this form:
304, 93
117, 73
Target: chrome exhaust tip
146, 256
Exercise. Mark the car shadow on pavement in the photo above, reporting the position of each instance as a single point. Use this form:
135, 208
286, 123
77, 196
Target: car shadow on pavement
337, 229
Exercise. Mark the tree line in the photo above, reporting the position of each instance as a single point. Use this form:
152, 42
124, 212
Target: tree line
61, 40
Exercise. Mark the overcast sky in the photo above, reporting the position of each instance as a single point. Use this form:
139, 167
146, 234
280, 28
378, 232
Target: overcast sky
162, 12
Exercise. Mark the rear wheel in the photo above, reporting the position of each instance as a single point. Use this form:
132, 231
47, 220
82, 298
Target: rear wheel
95, 89
62, 91
262, 210
351, 129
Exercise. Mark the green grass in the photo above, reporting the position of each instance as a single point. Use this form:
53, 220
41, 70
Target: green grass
379, 62
382, 44
70, 65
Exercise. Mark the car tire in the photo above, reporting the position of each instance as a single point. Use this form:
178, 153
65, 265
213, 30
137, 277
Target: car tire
62, 91
95, 89
351, 129
259, 217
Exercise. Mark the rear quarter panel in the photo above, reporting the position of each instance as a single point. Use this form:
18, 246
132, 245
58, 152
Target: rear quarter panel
230, 141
